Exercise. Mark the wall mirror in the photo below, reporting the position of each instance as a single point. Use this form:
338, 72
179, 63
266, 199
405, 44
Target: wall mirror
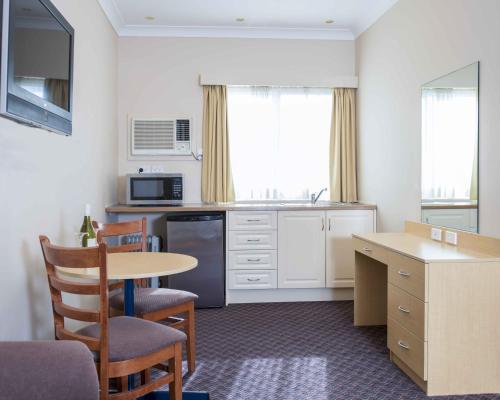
450, 134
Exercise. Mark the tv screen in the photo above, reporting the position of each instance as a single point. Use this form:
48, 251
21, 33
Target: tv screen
37, 57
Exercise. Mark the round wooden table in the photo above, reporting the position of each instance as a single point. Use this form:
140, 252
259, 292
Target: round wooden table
139, 265
136, 265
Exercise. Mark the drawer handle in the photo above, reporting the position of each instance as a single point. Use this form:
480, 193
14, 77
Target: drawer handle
367, 249
402, 309
253, 279
253, 240
253, 259
253, 220
404, 273
403, 345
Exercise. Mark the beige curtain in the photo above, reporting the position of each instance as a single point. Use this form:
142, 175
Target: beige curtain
217, 182
343, 185
56, 91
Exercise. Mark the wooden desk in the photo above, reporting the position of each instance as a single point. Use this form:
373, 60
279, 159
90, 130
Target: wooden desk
440, 303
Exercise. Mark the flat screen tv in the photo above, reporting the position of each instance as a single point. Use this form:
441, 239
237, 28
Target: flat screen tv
36, 65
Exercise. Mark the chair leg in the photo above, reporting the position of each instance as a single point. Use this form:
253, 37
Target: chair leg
104, 383
191, 339
175, 367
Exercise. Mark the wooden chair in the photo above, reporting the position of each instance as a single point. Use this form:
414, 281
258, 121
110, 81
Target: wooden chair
122, 345
173, 307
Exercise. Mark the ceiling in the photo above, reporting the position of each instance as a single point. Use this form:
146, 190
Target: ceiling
301, 19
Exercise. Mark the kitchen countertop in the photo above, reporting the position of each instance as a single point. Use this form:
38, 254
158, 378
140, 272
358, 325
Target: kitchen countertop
261, 206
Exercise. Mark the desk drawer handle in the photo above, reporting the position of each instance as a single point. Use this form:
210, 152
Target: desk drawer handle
367, 249
402, 309
404, 273
403, 345
253, 279
253, 259
253, 220
253, 240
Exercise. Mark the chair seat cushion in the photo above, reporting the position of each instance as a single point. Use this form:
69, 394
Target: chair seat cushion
55, 370
149, 299
131, 337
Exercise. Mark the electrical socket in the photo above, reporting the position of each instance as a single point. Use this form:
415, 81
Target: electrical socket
144, 169
436, 234
451, 238
156, 169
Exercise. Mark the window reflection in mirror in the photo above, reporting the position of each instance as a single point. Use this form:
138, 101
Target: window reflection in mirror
450, 107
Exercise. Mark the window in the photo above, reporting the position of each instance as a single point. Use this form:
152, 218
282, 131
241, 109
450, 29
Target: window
32, 85
279, 141
449, 122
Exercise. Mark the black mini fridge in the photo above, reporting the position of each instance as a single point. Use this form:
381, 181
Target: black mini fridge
200, 236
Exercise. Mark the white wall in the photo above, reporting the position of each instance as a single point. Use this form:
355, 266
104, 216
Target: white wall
159, 77
413, 43
47, 178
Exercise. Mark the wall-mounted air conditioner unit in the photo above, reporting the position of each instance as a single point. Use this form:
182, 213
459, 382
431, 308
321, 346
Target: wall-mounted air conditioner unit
158, 137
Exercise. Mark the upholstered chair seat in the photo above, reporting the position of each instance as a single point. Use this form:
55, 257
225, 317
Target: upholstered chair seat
55, 370
148, 300
133, 337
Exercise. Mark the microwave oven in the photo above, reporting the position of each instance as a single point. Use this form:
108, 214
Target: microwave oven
154, 189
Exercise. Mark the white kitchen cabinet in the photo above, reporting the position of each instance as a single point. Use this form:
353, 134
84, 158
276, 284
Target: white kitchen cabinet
464, 219
341, 225
301, 249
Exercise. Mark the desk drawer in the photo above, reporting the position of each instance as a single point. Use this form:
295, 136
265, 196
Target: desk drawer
253, 259
407, 310
409, 348
408, 274
256, 240
252, 220
371, 250
253, 279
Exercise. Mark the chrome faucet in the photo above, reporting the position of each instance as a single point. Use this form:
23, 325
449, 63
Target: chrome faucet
315, 198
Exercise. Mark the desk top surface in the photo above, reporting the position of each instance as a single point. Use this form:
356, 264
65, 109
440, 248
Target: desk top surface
427, 250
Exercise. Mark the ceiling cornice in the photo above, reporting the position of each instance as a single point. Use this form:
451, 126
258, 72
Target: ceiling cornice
235, 32
113, 13
116, 19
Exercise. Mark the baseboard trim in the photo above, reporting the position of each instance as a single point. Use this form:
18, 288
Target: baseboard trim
288, 295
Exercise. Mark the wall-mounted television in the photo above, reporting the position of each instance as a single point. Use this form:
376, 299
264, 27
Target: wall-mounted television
36, 65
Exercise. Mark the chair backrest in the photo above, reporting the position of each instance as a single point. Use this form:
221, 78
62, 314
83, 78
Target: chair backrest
118, 229
71, 257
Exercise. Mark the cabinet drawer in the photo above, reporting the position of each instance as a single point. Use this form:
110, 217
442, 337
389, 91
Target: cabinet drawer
252, 220
371, 250
252, 279
410, 349
253, 259
408, 274
407, 310
247, 240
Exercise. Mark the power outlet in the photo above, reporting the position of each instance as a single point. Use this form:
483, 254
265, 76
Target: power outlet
144, 169
436, 234
156, 169
451, 238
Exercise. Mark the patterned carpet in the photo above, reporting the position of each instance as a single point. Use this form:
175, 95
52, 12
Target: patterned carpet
295, 351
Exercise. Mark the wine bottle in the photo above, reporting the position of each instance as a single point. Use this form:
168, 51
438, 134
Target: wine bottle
89, 237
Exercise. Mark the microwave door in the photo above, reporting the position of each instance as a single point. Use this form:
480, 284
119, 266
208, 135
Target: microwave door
149, 190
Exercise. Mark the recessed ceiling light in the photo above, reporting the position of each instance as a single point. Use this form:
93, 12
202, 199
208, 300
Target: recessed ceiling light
329, 21
149, 18
240, 19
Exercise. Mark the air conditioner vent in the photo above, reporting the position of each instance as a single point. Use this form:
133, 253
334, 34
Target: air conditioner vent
183, 130
161, 137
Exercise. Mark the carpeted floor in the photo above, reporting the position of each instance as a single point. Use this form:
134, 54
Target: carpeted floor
295, 351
